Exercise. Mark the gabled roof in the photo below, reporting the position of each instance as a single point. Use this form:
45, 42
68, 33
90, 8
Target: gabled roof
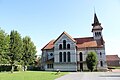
66, 35
112, 58
85, 42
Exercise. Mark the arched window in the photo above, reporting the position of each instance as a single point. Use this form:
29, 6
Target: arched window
99, 33
100, 54
64, 56
101, 63
68, 46
60, 57
60, 46
68, 56
81, 58
95, 34
64, 44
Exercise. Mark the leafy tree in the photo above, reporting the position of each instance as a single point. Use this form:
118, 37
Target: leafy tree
15, 48
91, 60
29, 51
4, 46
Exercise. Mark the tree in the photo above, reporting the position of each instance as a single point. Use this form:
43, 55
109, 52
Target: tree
91, 60
4, 46
15, 48
29, 51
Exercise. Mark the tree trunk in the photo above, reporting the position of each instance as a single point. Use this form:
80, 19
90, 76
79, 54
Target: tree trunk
91, 70
96, 66
24, 68
12, 68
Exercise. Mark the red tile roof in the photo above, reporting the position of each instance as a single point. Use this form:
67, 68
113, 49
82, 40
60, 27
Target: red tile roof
80, 42
112, 57
49, 45
86, 42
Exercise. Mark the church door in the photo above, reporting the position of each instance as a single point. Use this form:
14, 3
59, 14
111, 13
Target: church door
81, 64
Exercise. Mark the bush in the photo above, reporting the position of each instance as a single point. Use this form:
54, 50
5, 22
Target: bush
91, 60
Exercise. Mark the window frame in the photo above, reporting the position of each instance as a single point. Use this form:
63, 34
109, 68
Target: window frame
64, 44
68, 46
60, 56
68, 56
60, 46
64, 56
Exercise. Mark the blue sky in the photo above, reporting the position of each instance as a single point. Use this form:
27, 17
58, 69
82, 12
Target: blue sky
44, 20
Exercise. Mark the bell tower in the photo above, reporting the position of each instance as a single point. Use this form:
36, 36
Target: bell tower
97, 28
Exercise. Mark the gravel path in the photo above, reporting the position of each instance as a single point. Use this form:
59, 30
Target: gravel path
91, 76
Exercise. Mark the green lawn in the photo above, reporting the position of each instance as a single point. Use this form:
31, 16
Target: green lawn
30, 75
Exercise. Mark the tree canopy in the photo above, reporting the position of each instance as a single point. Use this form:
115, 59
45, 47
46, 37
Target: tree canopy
16, 50
4, 46
29, 51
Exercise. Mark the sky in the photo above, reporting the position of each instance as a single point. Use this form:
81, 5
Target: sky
44, 20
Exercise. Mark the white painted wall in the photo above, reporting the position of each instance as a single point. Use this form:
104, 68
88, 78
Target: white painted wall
66, 67
100, 57
72, 49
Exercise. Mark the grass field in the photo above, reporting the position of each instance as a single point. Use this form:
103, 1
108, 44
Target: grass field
30, 75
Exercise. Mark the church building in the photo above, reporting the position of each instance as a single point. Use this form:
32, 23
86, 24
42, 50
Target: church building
69, 54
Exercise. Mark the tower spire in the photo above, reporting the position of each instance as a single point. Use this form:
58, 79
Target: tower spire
96, 21
97, 28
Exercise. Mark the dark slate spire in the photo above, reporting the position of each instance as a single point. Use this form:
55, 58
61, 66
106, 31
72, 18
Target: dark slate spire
96, 25
96, 21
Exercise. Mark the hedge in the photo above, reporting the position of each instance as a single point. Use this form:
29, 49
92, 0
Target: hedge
7, 68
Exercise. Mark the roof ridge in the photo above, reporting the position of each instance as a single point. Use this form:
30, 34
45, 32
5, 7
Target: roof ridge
84, 37
66, 35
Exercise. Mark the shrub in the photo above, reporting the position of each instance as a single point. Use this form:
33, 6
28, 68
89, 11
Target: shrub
7, 67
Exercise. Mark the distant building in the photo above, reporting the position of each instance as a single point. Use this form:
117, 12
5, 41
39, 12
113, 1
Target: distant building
69, 54
113, 60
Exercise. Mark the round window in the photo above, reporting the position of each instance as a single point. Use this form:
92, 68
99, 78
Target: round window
51, 54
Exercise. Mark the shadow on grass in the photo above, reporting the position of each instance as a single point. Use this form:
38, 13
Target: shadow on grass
55, 73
